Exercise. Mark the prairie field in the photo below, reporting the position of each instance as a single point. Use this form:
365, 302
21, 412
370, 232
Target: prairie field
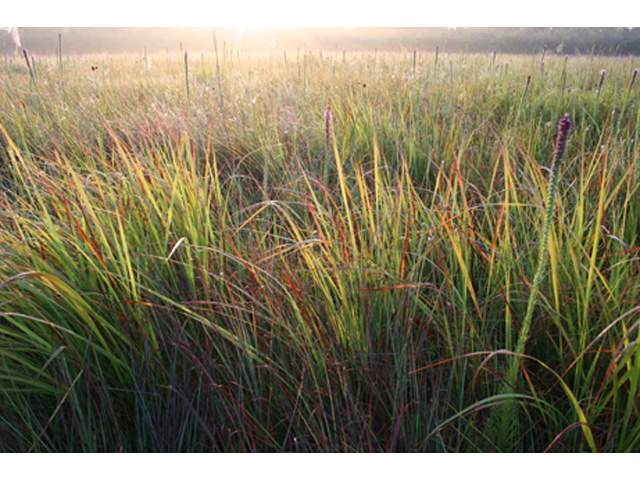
319, 251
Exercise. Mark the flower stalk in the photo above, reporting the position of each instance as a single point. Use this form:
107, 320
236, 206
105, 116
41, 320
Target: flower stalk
186, 78
327, 141
327, 125
508, 414
561, 142
25, 53
626, 99
602, 75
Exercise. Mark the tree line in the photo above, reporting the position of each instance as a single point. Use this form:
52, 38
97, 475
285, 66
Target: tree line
574, 40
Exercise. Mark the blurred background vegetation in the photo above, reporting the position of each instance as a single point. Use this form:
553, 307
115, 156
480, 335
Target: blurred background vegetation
601, 41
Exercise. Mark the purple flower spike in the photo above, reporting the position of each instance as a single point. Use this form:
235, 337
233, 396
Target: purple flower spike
633, 79
25, 53
327, 124
563, 134
565, 124
602, 75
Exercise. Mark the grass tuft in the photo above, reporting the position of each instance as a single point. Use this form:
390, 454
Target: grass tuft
237, 273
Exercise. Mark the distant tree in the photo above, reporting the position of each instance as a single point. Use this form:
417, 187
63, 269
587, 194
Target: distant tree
10, 42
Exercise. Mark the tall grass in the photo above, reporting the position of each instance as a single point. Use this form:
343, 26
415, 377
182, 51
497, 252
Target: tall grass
250, 273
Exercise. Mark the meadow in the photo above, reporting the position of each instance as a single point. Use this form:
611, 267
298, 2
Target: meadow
311, 251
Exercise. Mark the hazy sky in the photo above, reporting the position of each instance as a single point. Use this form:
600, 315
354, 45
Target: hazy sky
319, 13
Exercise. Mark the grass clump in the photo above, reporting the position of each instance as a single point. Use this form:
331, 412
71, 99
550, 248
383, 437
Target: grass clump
252, 270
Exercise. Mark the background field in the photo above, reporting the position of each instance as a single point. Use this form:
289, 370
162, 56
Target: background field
197, 254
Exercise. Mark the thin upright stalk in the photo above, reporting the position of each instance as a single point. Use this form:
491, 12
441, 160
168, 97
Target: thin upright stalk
186, 78
327, 144
60, 64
